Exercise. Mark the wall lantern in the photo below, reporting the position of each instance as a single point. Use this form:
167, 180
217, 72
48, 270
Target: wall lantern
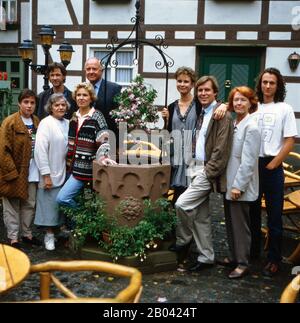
294, 60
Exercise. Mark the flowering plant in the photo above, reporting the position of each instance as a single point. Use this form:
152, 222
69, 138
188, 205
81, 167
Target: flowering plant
136, 105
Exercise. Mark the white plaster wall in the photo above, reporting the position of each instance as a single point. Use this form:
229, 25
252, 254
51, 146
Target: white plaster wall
232, 12
125, 34
54, 12
182, 56
215, 35
184, 34
99, 34
174, 12
284, 12
153, 34
293, 96
76, 61
71, 82
72, 34
110, 13
160, 86
78, 9
9, 36
277, 57
277, 35
25, 21
252, 35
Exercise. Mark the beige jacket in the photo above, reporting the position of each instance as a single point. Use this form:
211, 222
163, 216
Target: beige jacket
217, 150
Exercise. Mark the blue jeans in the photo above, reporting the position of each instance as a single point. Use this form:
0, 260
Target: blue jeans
69, 191
271, 183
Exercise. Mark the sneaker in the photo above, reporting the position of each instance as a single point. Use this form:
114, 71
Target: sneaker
49, 241
270, 269
33, 241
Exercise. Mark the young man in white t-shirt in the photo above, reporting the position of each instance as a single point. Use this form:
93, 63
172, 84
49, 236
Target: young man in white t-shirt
277, 123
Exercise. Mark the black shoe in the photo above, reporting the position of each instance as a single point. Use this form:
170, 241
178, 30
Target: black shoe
199, 266
33, 241
177, 248
239, 272
270, 269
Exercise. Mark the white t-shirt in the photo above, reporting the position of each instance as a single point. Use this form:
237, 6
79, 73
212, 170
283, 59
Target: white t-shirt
276, 121
33, 175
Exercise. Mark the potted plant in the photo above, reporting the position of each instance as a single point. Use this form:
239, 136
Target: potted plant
90, 221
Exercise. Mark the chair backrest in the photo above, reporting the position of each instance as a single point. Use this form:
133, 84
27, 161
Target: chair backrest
130, 294
291, 292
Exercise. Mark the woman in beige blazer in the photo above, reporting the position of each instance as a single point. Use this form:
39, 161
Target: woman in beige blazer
242, 178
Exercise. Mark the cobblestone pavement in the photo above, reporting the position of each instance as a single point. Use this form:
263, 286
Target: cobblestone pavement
211, 285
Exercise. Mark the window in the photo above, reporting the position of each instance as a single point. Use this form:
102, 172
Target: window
125, 70
14, 68
8, 13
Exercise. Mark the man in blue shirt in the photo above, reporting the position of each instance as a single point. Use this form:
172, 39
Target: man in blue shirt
105, 101
211, 149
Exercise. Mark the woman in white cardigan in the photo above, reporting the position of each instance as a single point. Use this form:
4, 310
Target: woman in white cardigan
50, 156
242, 179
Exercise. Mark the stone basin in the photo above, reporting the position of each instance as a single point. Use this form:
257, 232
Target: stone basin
133, 183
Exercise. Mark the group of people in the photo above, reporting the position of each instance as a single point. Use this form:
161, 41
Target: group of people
241, 158
48, 146
47, 149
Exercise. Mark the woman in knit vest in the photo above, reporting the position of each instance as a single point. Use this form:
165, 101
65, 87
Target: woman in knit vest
87, 134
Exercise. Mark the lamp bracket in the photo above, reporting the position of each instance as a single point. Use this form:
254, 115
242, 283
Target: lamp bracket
39, 69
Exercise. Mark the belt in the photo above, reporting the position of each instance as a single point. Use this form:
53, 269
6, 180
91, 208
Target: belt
200, 163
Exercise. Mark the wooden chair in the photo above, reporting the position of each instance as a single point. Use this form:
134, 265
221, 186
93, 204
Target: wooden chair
291, 292
292, 176
294, 258
131, 294
291, 208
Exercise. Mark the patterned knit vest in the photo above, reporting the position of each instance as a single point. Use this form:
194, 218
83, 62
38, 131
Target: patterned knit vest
82, 146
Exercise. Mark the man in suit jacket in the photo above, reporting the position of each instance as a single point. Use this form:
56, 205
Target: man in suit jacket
105, 103
212, 145
57, 77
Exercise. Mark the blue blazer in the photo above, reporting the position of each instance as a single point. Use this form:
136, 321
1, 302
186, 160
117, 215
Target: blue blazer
106, 103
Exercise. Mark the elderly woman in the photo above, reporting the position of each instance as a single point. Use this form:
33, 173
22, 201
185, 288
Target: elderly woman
242, 179
87, 134
50, 157
18, 171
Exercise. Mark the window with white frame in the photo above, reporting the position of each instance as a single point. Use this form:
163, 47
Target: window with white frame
125, 70
8, 12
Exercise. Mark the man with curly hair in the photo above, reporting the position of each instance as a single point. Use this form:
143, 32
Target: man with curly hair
277, 123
